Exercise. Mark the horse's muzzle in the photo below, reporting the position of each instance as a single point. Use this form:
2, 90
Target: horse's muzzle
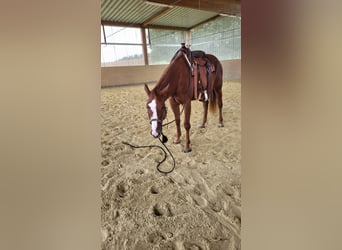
155, 134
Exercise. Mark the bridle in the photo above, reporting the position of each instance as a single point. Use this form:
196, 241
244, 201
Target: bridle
155, 120
164, 138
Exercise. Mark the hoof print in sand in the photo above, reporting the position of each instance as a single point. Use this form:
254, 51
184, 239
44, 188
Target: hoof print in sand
154, 189
200, 201
105, 162
193, 246
106, 206
122, 189
156, 237
227, 189
162, 209
216, 206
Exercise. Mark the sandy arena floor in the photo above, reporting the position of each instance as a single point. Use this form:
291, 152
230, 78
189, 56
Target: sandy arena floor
198, 205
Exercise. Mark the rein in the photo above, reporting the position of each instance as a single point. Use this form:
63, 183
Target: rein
172, 120
162, 141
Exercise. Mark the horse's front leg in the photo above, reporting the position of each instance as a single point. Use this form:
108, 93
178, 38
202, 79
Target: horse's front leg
187, 126
175, 109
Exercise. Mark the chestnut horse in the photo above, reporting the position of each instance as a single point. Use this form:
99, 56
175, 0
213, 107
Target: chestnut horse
176, 84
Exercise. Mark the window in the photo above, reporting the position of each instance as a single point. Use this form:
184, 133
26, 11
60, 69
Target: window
121, 46
164, 44
221, 37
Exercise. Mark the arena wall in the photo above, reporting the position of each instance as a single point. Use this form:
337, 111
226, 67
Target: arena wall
130, 75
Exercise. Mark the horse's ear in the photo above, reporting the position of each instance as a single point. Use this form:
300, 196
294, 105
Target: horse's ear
147, 90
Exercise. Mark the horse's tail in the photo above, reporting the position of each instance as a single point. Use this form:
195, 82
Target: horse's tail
212, 102
215, 83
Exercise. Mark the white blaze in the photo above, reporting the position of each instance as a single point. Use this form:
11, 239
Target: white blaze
154, 124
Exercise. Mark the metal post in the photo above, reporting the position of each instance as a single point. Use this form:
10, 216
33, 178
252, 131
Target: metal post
188, 38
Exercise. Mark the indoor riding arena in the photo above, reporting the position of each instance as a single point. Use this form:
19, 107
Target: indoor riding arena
198, 204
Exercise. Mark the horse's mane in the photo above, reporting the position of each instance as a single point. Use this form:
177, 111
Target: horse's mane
163, 81
177, 54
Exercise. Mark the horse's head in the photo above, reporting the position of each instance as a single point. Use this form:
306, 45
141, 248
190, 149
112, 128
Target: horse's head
156, 111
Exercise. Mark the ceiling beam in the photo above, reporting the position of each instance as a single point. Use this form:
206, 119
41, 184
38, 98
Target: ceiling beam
163, 27
151, 26
229, 7
157, 15
121, 24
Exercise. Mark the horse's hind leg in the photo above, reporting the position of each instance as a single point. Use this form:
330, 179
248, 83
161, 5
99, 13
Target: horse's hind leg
205, 114
187, 126
175, 109
220, 104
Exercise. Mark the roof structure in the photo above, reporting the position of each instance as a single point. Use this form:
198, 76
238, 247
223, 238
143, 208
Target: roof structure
166, 14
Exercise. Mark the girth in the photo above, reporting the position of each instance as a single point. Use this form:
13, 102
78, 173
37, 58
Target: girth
200, 77
201, 70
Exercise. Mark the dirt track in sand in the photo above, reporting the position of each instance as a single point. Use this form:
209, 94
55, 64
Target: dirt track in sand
198, 205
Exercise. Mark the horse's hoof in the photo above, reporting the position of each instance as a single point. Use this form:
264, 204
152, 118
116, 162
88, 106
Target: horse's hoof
187, 150
220, 125
201, 126
176, 142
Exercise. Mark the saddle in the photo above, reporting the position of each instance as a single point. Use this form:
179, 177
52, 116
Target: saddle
201, 70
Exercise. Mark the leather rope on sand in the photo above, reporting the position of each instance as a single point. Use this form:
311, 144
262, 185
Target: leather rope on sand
165, 155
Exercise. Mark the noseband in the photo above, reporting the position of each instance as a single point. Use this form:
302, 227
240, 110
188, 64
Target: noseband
155, 120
